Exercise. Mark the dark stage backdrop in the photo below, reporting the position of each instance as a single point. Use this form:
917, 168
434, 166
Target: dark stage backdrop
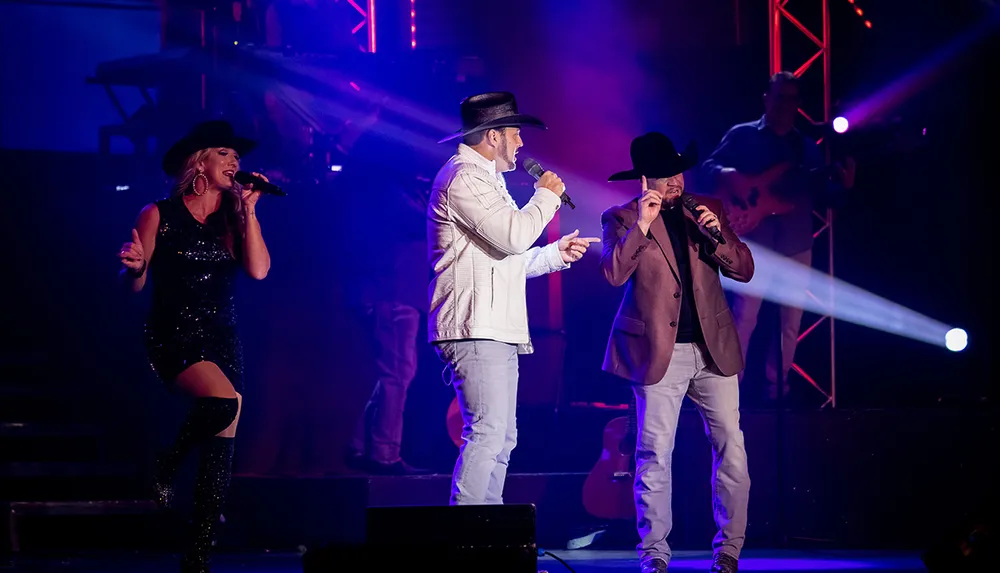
599, 76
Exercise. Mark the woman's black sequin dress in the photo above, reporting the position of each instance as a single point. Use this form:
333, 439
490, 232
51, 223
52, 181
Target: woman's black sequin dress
192, 316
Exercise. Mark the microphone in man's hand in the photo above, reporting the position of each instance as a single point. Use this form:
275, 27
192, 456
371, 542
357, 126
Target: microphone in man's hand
692, 205
244, 178
535, 170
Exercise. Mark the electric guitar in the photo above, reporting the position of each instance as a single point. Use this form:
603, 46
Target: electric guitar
748, 204
607, 491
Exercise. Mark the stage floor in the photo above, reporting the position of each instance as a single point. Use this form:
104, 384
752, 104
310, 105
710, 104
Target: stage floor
581, 561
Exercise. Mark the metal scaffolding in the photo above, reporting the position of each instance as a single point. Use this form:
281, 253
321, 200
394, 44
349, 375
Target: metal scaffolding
779, 13
367, 24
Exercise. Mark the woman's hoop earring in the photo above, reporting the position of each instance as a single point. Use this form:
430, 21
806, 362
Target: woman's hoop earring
194, 186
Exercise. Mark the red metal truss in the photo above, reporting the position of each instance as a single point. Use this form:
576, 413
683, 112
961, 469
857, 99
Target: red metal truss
779, 14
366, 25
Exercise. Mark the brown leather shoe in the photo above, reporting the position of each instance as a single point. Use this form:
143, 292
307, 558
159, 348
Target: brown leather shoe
723, 563
654, 565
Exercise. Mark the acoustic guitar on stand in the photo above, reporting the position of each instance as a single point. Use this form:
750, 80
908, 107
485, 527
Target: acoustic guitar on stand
607, 491
752, 200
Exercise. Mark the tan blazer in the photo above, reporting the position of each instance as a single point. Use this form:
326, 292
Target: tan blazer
645, 328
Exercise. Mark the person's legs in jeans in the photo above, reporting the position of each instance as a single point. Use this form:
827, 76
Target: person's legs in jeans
657, 409
481, 374
745, 303
790, 324
718, 400
379, 435
494, 493
745, 309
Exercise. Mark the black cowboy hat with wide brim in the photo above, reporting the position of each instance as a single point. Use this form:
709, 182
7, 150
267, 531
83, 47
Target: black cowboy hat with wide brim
490, 111
214, 133
655, 157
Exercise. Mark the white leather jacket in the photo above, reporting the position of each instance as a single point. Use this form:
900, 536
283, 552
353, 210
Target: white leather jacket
480, 250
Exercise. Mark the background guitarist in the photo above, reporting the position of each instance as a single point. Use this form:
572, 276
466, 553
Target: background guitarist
772, 162
391, 279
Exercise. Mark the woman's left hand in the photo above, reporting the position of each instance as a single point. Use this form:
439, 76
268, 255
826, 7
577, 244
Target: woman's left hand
250, 196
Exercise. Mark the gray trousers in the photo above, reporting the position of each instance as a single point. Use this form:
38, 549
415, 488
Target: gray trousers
379, 434
484, 375
658, 408
745, 311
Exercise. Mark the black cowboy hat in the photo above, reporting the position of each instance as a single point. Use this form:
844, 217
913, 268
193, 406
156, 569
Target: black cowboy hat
491, 110
214, 133
654, 156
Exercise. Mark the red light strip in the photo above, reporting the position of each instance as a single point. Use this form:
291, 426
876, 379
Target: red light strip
860, 13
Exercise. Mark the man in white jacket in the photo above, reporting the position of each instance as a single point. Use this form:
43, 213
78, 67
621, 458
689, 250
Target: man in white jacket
481, 254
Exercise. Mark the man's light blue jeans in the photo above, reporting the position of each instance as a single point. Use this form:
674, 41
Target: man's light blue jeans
484, 375
658, 407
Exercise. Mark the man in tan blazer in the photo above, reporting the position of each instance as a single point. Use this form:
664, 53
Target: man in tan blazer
674, 336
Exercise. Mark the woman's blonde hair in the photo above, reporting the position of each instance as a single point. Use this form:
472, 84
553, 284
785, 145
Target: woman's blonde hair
185, 179
232, 214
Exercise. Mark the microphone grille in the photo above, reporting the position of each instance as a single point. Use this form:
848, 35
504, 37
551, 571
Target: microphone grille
532, 167
689, 201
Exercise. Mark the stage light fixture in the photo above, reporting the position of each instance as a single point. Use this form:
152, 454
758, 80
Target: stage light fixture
956, 340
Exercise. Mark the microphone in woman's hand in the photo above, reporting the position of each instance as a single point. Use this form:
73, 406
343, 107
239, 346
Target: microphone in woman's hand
244, 178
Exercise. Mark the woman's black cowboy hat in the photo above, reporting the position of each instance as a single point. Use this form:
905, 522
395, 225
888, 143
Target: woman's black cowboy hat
489, 111
654, 156
213, 133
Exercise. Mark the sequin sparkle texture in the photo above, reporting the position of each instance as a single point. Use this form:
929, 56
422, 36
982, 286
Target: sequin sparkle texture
192, 316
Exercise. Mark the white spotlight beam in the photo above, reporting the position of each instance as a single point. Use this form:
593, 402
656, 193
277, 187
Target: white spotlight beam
787, 282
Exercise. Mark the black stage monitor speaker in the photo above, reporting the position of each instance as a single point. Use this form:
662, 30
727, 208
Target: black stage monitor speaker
457, 539
443, 539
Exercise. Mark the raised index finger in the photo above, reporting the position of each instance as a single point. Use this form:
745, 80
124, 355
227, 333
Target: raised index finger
644, 188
